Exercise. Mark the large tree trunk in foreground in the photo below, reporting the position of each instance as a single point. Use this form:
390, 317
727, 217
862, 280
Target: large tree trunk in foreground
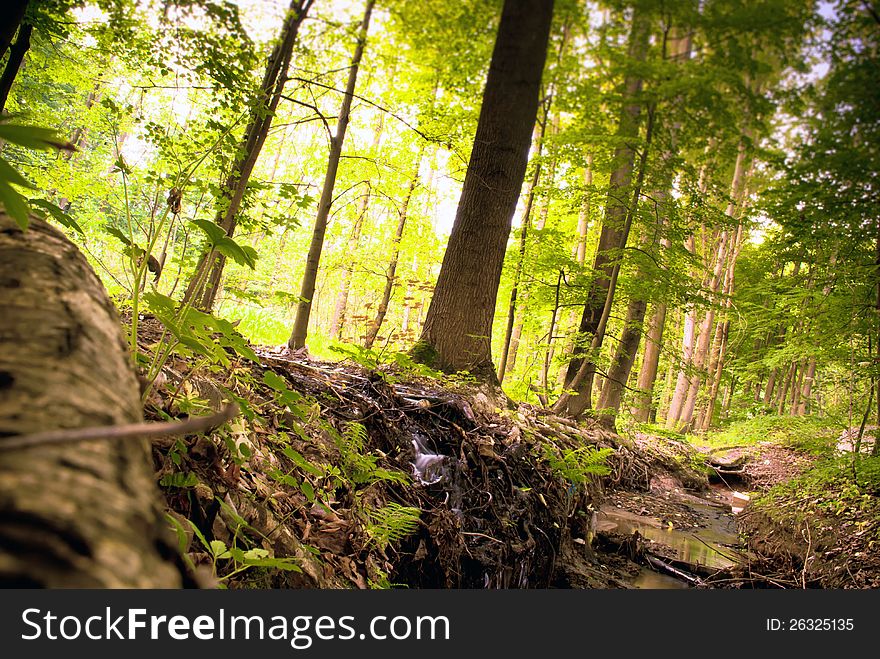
300, 330
458, 329
83, 514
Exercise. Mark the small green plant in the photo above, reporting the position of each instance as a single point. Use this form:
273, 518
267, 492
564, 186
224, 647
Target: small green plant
578, 465
229, 561
390, 523
358, 466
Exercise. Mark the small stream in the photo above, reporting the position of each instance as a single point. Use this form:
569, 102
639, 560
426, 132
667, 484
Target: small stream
710, 547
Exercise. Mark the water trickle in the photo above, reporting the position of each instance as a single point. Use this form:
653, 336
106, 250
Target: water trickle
428, 467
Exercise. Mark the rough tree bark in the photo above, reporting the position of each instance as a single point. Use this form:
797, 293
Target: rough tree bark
458, 328
84, 514
310, 276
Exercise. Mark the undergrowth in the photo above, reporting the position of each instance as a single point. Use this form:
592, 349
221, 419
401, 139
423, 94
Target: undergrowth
810, 434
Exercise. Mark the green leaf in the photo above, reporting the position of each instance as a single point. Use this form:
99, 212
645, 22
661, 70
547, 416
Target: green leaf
218, 549
212, 230
179, 479
59, 215
31, 137
275, 381
308, 490
15, 204
199, 535
302, 463
256, 554
116, 233
243, 255
8, 174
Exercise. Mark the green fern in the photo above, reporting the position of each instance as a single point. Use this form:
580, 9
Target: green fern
391, 523
358, 466
578, 465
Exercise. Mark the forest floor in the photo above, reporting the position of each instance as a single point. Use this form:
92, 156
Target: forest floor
337, 475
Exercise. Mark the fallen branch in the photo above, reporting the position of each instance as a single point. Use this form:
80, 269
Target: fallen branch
191, 426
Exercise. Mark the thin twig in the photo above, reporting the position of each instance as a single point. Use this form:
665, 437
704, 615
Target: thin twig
191, 426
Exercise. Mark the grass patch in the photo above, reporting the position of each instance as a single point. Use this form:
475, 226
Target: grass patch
803, 433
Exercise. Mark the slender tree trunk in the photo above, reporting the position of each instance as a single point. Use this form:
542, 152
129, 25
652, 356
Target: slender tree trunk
876, 450
783, 391
614, 232
796, 392
13, 64
259, 122
585, 213
771, 385
310, 276
682, 382
650, 364
737, 188
391, 273
83, 514
337, 325
515, 311
458, 328
719, 346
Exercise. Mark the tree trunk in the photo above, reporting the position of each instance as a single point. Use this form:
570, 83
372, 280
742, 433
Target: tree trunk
726, 246
339, 310
650, 364
310, 276
203, 293
783, 391
79, 514
391, 273
10, 20
515, 313
585, 213
13, 64
613, 235
458, 328
719, 347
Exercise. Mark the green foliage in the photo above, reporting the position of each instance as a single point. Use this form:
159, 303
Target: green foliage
811, 434
829, 488
578, 465
390, 523
229, 561
16, 204
404, 365
357, 466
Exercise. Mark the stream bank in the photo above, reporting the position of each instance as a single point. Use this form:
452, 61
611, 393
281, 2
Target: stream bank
339, 476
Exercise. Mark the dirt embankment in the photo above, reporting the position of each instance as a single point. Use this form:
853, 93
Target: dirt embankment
366, 479
806, 536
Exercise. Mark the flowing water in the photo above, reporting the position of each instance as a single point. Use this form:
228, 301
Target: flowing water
707, 548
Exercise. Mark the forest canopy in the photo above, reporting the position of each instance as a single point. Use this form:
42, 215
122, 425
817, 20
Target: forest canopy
647, 210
